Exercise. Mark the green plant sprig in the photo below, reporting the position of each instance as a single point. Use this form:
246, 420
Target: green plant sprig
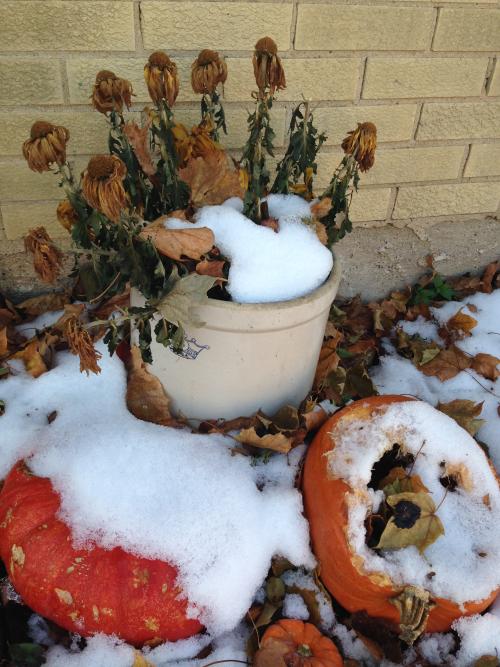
213, 111
344, 183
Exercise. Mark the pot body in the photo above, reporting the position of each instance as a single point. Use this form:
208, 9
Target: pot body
246, 357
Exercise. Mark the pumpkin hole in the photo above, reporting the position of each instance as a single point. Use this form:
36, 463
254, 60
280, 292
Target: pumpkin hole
392, 458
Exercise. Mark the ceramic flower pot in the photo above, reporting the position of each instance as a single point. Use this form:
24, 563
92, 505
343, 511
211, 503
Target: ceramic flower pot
246, 357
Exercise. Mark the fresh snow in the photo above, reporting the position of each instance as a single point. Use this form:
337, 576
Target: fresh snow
157, 492
465, 561
266, 266
396, 375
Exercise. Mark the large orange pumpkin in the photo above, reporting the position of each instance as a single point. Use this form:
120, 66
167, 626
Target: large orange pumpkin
84, 591
326, 510
301, 643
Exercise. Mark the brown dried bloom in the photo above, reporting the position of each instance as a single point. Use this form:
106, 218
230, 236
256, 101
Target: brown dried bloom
110, 92
46, 146
267, 67
361, 144
207, 71
47, 258
80, 343
102, 185
66, 214
197, 143
162, 80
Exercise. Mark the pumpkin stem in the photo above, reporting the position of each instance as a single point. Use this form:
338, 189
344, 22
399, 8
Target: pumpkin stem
304, 651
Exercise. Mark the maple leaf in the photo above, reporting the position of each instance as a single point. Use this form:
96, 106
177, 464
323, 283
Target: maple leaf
414, 522
457, 327
464, 412
328, 359
138, 138
146, 397
176, 243
277, 442
212, 179
180, 304
486, 365
447, 364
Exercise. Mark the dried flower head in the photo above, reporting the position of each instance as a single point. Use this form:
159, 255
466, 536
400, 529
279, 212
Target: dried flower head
267, 67
47, 258
102, 185
80, 343
197, 143
207, 71
162, 80
46, 146
361, 144
66, 214
110, 92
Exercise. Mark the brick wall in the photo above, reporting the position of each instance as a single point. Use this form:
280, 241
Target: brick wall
424, 71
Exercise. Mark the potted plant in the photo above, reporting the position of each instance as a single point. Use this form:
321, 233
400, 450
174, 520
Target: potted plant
230, 270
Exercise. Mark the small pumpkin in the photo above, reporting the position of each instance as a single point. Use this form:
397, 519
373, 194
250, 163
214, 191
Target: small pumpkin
293, 642
84, 590
342, 570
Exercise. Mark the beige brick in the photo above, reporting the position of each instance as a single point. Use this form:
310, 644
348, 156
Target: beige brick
423, 77
220, 25
19, 183
30, 82
333, 27
404, 165
20, 217
433, 200
468, 30
82, 73
394, 122
494, 90
71, 25
315, 78
484, 160
88, 130
469, 120
371, 204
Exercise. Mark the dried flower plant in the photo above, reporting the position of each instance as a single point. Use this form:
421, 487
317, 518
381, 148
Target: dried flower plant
47, 258
46, 146
197, 143
267, 67
111, 93
208, 71
102, 185
162, 80
80, 343
361, 144
66, 214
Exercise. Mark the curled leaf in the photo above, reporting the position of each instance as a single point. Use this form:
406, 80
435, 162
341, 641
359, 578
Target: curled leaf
486, 365
139, 140
328, 359
178, 243
212, 179
277, 442
461, 323
146, 397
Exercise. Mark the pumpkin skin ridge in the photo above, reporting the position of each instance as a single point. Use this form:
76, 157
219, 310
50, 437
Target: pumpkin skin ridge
296, 633
157, 614
353, 590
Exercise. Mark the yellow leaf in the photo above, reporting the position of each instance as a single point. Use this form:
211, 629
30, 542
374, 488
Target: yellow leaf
464, 412
277, 442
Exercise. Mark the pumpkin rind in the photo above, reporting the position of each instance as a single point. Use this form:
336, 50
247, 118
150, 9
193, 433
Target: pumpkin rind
84, 590
326, 511
296, 633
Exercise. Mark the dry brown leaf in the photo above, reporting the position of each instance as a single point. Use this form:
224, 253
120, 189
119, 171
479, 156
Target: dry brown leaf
486, 365
140, 661
38, 354
464, 412
277, 442
314, 418
272, 223
321, 208
273, 653
176, 243
38, 305
212, 179
461, 324
447, 364
488, 276
321, 232
328, 359
146, 397
213, 268
110, 305
139, 140
4, 343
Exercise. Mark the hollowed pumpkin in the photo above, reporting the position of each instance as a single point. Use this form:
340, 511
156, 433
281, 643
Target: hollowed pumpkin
293, 642
327, 511
84, 590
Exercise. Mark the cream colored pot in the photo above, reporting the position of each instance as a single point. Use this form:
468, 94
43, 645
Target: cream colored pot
246, 357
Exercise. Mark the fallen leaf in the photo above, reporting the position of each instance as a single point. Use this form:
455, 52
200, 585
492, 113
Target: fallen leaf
359, 383
447, 364
4, 343
311, 600
272, 223
398, 481
489, 276
146, 398
315, 418
486, 365
178, 243
140, 661
273, 653
139, 140
487, 661
214, 268
464, 412
277, 442
416, 348
38, 305
328, 360
285, 420
212, 179
52, 416
179, 305
321, 232
38, 354
414, 522
321, 208
457, 327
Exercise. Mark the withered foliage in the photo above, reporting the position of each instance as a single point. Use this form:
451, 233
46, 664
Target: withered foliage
47, 258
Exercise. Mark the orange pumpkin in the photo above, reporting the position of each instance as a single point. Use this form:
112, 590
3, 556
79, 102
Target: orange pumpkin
326, 509
84, 590
294, 642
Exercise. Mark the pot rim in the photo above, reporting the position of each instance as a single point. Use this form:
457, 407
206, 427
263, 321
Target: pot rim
330, 284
